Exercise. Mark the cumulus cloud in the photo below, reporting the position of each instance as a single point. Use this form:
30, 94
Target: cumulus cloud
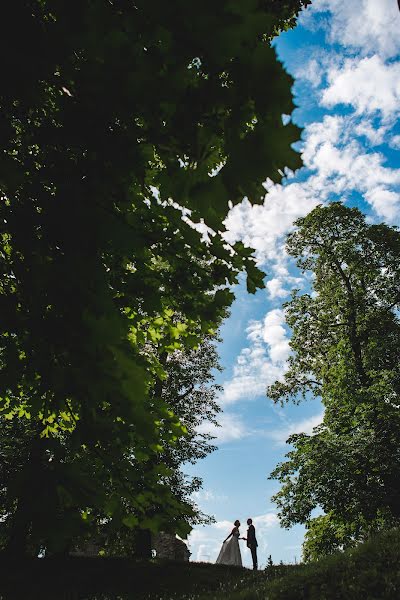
261, 363
275, 288
365, 26
208, 496
265, 226
369, 85
363, 75
312, 72
342, 165
231, 428
252, 373
385, 202
338, 164
374, 135
275, 335
331, 149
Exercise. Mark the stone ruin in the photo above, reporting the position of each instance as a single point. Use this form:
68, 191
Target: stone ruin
166, 546
169, 547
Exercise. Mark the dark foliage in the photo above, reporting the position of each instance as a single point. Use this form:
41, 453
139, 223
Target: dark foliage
119, 121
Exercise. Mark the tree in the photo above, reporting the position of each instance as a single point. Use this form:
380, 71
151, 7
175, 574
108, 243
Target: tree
122, 125
346, 349
190, 394
326, 534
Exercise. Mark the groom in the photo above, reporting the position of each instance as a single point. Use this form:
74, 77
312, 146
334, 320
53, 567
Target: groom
252, 542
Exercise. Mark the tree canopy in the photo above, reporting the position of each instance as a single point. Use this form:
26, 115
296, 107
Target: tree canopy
346, 350
122, 125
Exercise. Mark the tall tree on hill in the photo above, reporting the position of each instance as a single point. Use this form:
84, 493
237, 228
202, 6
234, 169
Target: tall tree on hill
190, 394
346, 349
119, 121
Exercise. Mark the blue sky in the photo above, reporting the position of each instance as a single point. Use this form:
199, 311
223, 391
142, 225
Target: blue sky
345, 57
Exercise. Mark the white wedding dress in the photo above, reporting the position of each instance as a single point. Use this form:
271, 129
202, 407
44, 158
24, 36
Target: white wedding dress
230, 551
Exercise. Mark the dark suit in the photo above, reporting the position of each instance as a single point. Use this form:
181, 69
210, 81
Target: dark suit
252, 544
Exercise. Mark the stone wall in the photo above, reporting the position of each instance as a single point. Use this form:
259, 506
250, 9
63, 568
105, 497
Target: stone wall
90, 548
169, 547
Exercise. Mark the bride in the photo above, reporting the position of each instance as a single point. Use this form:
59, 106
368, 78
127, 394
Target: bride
230, 551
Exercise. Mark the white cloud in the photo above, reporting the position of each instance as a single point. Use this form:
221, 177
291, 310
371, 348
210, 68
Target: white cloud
251, 375
276, 289
312, 71
261, 363
208, 496
365, 76
275, 335
374, 135
338, 164
342, 165
266, 521
348, 168
307, 425
231, 428
366, 26
223, 526
276, 286
386, 203
369, 85
395, 141
201, 552
265, 226
328, 132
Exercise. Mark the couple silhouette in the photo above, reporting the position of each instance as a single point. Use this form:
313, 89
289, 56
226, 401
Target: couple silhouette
230, 551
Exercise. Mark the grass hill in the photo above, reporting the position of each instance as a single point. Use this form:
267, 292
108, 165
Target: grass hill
369, 572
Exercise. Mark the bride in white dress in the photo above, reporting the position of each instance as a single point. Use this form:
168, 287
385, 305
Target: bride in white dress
230, 551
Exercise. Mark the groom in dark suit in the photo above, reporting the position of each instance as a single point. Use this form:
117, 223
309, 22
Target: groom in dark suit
252, 542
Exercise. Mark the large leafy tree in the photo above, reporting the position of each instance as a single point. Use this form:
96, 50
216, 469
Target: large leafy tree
345, 349
122, 124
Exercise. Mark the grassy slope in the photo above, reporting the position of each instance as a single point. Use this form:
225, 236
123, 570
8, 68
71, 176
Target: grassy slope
115, 579
369, 572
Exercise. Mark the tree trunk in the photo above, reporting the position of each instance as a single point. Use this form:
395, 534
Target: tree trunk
22, 518
143, 544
